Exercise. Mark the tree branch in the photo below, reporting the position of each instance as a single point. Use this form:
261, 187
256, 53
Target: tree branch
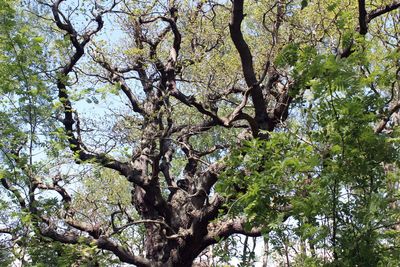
102, 243
116, 76
75, 144
247, 64
55, 187
224, 229
385, 120
14, 191
383, 10
362, 17
122, 253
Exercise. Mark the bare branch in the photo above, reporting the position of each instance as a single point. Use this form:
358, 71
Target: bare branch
116, 77
122, 228
383, 10
362, 17
14, 191
93, 231
102, 243
75, 144
226, 228
55, 187
122, 253
247, 63
385, 120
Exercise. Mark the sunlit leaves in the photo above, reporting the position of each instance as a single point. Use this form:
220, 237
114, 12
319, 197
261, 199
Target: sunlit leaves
266, 173
328, 180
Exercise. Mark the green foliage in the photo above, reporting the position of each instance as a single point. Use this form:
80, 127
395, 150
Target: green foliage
267, 190
288, 55
324, 182
325, 177
5, 256
44, 252
25, 112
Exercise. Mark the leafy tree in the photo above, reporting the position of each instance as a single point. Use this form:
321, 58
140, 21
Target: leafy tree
150, 132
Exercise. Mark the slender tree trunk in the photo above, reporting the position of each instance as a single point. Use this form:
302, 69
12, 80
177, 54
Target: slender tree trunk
266, 252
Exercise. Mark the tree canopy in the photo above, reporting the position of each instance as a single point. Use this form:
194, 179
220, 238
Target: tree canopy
184, 133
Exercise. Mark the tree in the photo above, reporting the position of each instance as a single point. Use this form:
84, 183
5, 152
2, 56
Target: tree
148, 132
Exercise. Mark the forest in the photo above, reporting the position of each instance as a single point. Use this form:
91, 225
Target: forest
179, 133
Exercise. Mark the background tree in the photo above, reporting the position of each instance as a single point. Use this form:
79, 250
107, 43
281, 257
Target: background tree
146, 132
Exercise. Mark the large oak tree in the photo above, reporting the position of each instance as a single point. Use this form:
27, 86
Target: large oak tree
120, 117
